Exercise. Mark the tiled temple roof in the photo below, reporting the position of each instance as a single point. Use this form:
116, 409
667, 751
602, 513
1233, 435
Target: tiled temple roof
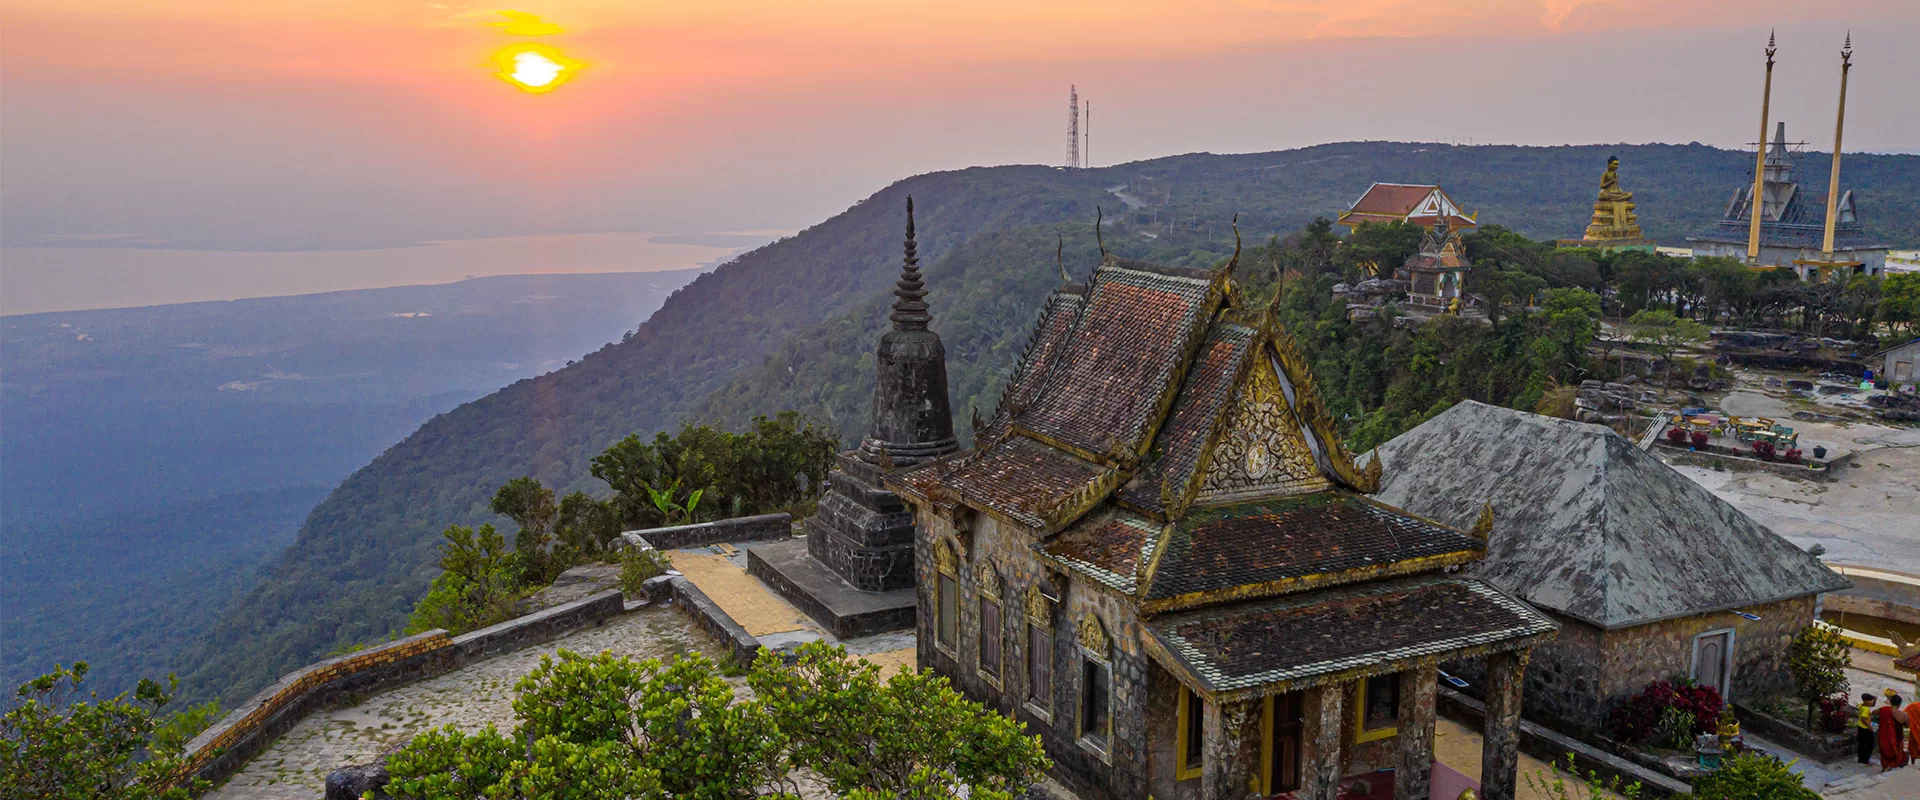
1389, 202
1043, 348
1205, 395
1111, 547
1131, 342
1379, 627
1020, 478
1318, 535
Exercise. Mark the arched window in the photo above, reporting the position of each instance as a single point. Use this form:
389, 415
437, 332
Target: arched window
1039, 652
946, 600
987, 582
1096, 684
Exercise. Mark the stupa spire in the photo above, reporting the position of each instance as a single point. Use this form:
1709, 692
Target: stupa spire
1839, 125
1760, 163
909, 293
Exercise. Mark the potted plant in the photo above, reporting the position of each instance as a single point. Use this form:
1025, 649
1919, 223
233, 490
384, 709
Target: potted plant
1699, 439
1793, 455
1678, 436
1820, 451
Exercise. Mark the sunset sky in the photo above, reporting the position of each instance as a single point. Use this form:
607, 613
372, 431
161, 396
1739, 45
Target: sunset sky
350, 123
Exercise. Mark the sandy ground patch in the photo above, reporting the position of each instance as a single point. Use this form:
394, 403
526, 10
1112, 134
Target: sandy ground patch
1458, 746
742, 596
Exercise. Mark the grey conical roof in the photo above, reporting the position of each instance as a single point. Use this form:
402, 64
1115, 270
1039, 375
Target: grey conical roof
1587, 524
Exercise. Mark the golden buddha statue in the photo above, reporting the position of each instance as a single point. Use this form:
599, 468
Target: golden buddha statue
1613, 217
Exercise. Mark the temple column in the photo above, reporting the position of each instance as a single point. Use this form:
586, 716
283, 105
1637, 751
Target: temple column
1325, 708
1500, 752
1413, 778
1230, 740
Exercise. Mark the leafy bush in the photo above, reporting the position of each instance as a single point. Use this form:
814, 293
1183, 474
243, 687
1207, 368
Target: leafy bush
53, 745
640, 564
1751, 776
1652, 714
605, 726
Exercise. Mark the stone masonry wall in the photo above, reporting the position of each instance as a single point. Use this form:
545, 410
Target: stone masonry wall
1633, 657
1563, 678
759, 528
224, 748
1079, 765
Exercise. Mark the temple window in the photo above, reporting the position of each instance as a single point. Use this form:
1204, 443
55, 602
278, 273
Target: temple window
1039, 652
1379, 708
1096, 685
988, 582
1189, 755
946, 597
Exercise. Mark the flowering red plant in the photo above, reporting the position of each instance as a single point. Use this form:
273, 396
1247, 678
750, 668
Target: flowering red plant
1699, 438
1677, 436
1764, 450
1792, 456
1638, 719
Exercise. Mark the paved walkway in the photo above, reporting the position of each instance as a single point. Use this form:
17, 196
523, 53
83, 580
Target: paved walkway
296, 766
1458, 747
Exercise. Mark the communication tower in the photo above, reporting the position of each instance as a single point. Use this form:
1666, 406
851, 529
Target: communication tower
1073, 127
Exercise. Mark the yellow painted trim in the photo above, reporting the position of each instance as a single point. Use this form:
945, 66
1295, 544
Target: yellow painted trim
1284, 586
1266, 745
1185, 766
1871, 644
1360, 733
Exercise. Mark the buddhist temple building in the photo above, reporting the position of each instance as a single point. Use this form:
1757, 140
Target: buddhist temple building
1418, 203
1614, 225
1163, 561
1792, 223
1438, 273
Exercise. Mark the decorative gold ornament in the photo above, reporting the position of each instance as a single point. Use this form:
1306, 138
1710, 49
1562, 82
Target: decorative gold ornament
1093, 636
987, 579
1039, 608
945, 559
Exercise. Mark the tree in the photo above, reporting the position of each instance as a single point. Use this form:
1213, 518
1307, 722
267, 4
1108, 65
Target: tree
608, 726
1900, 303
477, 587
1819, 658
909, 736
1667, 333
55, 746
527, 502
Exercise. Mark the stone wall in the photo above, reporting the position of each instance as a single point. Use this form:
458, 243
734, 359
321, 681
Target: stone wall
1562, 682
1082, 767
1633, 657
222, 749
742, 529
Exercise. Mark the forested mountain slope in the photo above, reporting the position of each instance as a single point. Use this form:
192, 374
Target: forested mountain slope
792, 325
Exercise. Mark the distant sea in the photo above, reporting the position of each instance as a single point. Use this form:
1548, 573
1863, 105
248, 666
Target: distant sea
39, 279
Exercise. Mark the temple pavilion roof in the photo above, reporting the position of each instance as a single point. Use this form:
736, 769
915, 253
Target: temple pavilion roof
1419, 203
1165, 443
1298, 641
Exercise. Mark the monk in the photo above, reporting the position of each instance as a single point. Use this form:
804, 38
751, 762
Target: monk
1913, 730
1893, 751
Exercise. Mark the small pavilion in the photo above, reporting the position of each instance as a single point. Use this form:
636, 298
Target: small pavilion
1422, 204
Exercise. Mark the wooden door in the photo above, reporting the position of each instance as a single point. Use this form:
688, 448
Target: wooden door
1282, 770
1713, 660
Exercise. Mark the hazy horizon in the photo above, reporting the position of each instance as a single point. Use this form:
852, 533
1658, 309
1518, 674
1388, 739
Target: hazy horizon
370, 123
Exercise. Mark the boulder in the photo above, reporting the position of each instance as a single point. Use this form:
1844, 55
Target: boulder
355, 782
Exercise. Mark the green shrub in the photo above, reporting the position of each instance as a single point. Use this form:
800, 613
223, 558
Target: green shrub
640, 564
1751, 776
57, 746
1556, 787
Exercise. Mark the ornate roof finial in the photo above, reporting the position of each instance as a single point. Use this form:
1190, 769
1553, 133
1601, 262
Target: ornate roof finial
1060, 258
1098, 217
1846, 50
1770, 47
1483, 527
910, 295
1235, 261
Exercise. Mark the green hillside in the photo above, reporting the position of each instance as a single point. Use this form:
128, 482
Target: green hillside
792, 325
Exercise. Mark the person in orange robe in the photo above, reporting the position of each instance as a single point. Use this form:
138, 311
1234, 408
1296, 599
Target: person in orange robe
1892, 745
1913, 730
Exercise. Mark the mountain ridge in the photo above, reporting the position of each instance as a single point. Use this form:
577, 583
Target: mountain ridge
791, 325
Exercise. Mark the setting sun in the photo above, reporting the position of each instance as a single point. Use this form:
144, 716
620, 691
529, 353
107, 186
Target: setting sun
534, 68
